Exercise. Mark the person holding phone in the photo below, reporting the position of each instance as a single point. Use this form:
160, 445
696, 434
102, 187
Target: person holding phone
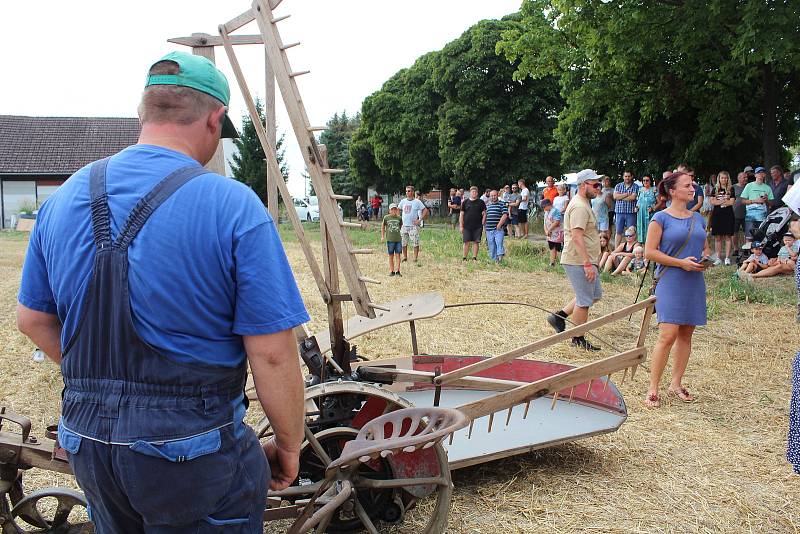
755, 197
676, 241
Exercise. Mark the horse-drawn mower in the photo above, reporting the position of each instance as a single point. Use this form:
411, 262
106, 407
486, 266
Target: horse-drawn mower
381, 434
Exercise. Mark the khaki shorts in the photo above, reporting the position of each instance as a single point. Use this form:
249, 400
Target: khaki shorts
410, 233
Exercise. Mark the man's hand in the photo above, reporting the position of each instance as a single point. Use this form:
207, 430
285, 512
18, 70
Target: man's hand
283, 464
589, 271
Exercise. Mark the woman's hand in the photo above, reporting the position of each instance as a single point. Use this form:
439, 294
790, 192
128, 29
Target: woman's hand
690, 264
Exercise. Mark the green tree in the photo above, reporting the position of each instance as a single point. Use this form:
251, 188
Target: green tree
336, 138
248, 165
457, 115
493, 128
647, 84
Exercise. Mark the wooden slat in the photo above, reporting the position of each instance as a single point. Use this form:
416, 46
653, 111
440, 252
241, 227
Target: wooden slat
362, 251
213, 40
308, 148
379, 307
272, 161
276, 20
333, 171
316, 128
544, 343
552, 384
345, 224
239, 20
342, 197
299, 73
411, 375
368, 280
288, 46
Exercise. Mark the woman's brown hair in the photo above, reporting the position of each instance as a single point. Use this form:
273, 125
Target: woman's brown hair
667, 183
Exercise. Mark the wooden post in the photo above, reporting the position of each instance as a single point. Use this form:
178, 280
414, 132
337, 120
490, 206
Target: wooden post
217, 162
330, 268
272, 132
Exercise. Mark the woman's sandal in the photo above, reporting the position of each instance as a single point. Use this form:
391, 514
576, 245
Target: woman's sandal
682, 394
652, 400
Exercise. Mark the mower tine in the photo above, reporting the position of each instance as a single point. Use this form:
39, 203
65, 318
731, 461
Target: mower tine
471, 423
624, 375
555, 398
589, 389
451, 438
508, 417
527, 406
633, 371
491, 420
571, 394
608, 379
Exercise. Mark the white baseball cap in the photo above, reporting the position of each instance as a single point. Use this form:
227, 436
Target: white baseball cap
587, 174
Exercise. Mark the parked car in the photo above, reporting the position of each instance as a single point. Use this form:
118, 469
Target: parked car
308, 209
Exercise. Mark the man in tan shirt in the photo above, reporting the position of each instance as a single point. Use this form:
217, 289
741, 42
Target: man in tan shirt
580, 257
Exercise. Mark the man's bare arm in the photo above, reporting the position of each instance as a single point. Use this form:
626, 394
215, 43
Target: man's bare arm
44, 329
275, 365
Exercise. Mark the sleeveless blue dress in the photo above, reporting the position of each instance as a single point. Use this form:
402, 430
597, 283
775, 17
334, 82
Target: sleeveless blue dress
681, 294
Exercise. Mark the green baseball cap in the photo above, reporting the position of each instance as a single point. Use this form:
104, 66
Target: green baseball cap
200, 74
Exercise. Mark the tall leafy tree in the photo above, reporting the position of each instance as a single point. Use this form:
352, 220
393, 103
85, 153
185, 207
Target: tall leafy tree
491, 127
458, 115
650, 83
248, 165
336, 138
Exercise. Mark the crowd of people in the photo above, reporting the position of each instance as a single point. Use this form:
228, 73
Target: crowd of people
732, 211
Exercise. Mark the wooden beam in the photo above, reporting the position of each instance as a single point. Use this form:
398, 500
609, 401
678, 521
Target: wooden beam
308, 148
553, 384
426, 377
239, 20
272, 161
217, 162
196, 40
543, 343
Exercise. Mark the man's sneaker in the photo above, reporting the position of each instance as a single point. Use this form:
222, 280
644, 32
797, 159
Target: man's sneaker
727, 261
583, 343
557, 322
398, 273
391, 273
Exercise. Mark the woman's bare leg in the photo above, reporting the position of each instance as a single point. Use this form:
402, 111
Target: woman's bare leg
680, 358
667, 334
623, 264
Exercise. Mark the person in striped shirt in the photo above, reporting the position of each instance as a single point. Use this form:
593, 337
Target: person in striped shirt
496, 216
625, 194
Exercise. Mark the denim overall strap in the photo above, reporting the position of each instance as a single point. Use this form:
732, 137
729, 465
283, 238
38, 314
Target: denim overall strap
101, 222
118, 387
152, 200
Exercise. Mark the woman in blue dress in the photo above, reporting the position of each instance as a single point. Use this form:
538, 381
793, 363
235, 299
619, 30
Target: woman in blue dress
676, 241
793, 450
645, 204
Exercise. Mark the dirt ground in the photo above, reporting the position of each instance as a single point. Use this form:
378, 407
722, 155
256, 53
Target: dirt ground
713, 466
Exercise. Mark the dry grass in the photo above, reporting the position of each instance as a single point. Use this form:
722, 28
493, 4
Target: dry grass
713, 466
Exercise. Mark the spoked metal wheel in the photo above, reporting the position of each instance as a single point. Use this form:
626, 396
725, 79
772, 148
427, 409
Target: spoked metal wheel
51, 511
384, 488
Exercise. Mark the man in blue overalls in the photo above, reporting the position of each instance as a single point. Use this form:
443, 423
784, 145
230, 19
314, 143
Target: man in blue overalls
153, 281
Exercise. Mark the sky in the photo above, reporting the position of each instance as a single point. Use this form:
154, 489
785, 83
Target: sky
89, 58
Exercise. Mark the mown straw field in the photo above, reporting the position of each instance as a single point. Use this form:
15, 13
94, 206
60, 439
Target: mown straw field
713, 466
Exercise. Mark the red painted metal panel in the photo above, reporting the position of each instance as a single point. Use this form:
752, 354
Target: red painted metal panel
524, 371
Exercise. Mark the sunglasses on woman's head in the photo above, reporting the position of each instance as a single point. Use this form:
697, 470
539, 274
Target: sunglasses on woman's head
629, 235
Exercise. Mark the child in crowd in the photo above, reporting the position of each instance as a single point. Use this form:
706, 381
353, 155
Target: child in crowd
638, 263
553, 230
604, 249
561, 201
620, 257
785, 263
756, 261
390, 231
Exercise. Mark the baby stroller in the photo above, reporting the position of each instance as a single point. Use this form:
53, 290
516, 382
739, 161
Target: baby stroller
770, 233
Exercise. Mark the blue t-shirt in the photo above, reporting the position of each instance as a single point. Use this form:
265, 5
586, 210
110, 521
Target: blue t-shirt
206, 268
